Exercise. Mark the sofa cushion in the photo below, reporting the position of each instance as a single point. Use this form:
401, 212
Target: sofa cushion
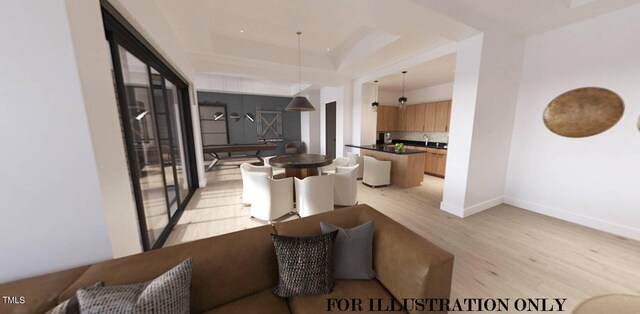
352, 253
310, 226
168, 293
369, 291
264, 302
225, 268
304, 264
41, 291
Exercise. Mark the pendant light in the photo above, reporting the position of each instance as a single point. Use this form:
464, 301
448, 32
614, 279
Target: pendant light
299, 103
402, 99
375, 104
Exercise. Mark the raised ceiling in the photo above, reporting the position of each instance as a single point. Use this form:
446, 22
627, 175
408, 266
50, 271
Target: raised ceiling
347, 39
341, 39
435, 72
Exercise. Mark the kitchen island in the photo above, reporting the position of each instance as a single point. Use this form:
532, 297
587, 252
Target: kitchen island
407, 166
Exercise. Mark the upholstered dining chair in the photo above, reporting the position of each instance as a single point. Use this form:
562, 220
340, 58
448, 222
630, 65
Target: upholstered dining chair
376, 172
247, 185
293, 147
271, 198
314, 195
355, 159
338, 162
277, 173
345, 186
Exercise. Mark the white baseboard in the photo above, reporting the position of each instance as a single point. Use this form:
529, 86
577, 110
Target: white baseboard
203, 183
471, 210
595, 223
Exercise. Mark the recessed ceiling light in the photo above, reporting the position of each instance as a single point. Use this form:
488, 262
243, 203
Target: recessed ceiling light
328, 49
241, 31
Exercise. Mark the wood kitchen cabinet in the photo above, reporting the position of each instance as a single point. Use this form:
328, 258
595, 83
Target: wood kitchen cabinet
420, 117
410, 112
387, 119
435, 162
402, 119
391, 119
443, 114
429, 117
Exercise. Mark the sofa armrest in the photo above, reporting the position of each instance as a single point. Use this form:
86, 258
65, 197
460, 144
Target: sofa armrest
408, 265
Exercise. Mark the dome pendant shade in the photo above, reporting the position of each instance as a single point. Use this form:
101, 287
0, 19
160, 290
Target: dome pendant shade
402, 100
300, 103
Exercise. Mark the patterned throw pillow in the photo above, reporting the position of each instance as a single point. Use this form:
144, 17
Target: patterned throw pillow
168, 293
353, 252
71, 306
304, 264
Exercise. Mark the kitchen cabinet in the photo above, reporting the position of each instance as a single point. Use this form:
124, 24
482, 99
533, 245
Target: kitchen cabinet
391, 119
429, 117
387, 118
380, 118
420, 112
435, 162
402, 119
443, 114
410, 125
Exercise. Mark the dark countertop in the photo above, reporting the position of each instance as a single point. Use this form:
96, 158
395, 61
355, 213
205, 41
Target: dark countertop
434, 145
387, 149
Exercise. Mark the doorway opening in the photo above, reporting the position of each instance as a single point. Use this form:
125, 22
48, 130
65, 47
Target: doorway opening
330, 127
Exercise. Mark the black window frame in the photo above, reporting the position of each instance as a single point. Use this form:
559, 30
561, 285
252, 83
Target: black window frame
119, 32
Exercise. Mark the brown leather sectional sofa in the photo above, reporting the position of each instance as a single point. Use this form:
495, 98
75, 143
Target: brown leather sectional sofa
235, 273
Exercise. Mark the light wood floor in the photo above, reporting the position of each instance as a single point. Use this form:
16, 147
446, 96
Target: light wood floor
503, 252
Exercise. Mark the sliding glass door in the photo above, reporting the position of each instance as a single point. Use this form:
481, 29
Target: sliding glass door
153, 104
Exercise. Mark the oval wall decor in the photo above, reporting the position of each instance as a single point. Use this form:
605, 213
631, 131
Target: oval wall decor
583, 112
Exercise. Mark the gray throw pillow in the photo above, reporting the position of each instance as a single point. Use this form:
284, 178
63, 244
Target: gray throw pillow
304, 264
71, 305
353, 252
168, 293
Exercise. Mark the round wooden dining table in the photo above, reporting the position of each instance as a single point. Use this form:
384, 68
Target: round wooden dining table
301, 165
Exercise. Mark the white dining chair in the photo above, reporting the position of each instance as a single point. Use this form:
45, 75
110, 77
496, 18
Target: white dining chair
272, 198
314, 195
277, 172
345, 186
376, 172
355, 159
338, 162
247, 187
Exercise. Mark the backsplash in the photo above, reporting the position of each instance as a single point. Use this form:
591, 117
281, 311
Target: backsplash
440, 137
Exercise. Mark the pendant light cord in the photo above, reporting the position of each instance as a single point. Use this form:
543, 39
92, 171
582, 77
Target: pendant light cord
403, 83
299, 65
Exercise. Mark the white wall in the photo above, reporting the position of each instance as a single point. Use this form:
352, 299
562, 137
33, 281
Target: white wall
310, 124
388, 98
488, 69
94, 62
429, 94
591, 181
465, 89
52, 210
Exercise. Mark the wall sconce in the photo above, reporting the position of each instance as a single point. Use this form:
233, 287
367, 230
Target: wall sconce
218, 115
234, 116
249, 117
141, 115
375, 104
